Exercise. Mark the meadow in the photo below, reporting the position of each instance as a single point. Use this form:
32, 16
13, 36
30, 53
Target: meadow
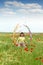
10, 54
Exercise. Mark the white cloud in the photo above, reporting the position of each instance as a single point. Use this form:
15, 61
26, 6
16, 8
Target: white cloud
7, 11
23, 8
15, 7
22, 5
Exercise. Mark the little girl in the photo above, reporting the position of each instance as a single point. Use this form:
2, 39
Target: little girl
21, 40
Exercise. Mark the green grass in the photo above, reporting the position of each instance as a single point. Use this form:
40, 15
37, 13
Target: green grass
13, 55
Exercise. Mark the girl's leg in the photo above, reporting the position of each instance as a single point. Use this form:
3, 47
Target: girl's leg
18, 45
24, 45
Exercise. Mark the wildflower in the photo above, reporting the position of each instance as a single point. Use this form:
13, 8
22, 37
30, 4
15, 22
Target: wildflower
42, 60
16, 44
26, 49
31, 48
36, 58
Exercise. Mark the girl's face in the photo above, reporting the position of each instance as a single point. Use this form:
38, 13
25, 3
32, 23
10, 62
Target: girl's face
22, 35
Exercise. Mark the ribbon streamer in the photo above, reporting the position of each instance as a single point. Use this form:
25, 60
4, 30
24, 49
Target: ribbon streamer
29, 31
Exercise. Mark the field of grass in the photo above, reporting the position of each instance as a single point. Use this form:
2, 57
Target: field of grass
13, 55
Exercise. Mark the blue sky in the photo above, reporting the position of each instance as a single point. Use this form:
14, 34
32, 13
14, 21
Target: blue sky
28, 12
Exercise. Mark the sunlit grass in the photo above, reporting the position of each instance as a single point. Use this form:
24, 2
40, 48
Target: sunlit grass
13, 55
